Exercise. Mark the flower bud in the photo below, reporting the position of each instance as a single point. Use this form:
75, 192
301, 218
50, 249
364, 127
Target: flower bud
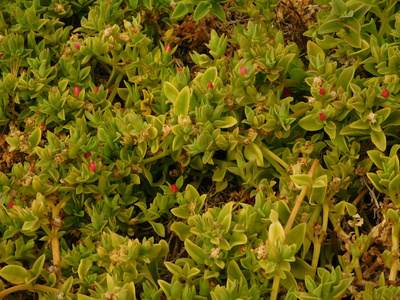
31, 169
243, 71
134, 30
77, 46
87, 155
11, 204
385, 93
96, 89
174, 188
286, 92
210, 85
322, 92
77, 91
92, 167
180, 70
168, 48
225, 57
322, 117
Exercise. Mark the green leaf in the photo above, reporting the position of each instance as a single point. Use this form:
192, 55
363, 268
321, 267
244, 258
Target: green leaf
209, 75
297, 235
14, 274
218, 11
195, 252
182, 230
201, 10
379, 139
179, 11
158, 228
300, 269
182, 103
302, 179
234, 272
309, 123
339, 7
315, 51
170, 92
225, 122
35, 136
253, 153
66, 287
346, 77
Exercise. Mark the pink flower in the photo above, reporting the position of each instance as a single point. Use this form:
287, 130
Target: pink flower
168, 48
287, 92
385, 93
11, 204
31, 169
210, 85
92, 167
322, 117
322, 92
180, 70
174, 188
134, 30
225, 57
243, 71
77, 91
77, 46
96, 89
87, 155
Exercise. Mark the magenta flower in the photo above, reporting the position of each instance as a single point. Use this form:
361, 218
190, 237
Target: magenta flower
77, 91
322, 117
11, 204
174, 188
77, 46
385, 93
322, 92
92, 167
243, 71
210, 85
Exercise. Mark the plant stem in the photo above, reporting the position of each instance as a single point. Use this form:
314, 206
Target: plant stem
274, 157
318, 242
303, 193
55, 243
357, 268
275, 288
155, 157
115, 87
395, 252
22, 287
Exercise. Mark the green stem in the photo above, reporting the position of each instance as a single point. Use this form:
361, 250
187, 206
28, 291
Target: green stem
275, 288
318, 242
115, 88
155, 157
299, 200
358, 270
271, 156
23, 287
395, 252
111, 63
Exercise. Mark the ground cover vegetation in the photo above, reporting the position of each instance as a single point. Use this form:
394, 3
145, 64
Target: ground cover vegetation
199, 149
